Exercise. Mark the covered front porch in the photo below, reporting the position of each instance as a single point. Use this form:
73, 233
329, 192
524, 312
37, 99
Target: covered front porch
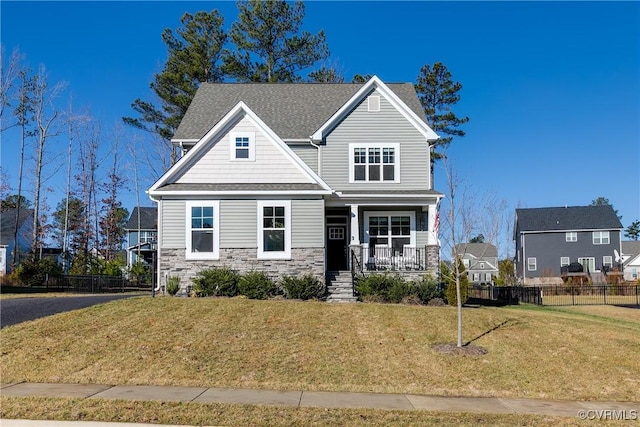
382, 234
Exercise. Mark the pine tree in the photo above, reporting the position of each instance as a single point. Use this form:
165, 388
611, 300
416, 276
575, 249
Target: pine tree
438, 93
193, 56
268, 43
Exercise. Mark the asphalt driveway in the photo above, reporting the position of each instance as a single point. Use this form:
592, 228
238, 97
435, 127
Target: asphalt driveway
17, 310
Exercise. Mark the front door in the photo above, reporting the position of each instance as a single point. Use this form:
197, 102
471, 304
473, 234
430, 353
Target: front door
336, 247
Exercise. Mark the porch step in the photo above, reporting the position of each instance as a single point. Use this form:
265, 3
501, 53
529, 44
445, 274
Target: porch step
340, 287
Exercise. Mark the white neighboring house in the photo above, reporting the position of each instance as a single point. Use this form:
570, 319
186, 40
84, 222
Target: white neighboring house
631, 260
480, 260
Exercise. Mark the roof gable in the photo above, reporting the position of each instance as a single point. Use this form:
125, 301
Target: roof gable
148, 219
8, 223
417, 120
177, 175
478, 250
600, 217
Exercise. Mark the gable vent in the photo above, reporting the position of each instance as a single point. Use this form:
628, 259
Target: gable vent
374, 103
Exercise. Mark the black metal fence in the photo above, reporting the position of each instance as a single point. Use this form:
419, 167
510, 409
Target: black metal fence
94, 284
557, 295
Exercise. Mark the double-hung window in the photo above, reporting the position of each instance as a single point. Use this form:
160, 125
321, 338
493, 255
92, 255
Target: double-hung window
600, 237
243, 146
202, 229
374, 163
571, 236
274, 229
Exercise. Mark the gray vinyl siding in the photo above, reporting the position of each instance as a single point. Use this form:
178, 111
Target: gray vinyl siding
238, 221
386, 126
307, 223
308, 153
173, 224
548, 248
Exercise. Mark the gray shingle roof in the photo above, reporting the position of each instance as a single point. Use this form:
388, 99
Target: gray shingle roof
631, 247
8, 223
567, 218
291, 110
148, 219
478, 250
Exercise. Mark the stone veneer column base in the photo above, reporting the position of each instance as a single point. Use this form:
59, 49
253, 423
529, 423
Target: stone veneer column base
303, 261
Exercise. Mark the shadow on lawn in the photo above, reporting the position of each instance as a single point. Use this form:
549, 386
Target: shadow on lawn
506, 323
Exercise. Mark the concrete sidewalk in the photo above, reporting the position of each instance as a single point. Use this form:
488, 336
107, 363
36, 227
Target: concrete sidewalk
321, 399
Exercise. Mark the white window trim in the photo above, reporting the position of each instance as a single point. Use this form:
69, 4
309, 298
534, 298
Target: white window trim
601, 235
410, 214
565, 261
532, 262
396, 169
571, 236
286, 254
215, 204
607, 261
252, 146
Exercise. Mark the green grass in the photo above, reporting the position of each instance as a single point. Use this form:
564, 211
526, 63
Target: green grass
290, 345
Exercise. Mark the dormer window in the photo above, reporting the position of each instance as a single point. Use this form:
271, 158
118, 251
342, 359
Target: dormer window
243, 146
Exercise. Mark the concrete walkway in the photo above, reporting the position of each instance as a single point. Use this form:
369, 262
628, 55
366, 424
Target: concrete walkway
321, 399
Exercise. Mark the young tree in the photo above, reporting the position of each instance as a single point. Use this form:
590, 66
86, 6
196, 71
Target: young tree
193, 56
438, 93
268, 43
46, 120
633, 231
506, 272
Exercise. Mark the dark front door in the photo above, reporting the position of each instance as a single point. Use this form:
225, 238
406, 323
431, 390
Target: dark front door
336, 247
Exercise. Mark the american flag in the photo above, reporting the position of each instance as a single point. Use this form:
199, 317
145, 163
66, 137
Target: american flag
436, 224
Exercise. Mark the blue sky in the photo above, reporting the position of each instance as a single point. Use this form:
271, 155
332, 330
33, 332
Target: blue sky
552, 89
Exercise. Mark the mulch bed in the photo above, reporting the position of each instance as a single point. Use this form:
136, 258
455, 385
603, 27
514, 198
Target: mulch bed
465, 350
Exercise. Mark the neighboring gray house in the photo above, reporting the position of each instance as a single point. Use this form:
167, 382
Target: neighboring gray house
480, 261
142, 235
8, 237
295, 178
631, 260
549, 240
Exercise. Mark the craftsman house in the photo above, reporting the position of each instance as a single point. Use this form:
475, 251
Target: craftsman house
578, 242
299, 178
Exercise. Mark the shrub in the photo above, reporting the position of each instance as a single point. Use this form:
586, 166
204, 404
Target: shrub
173, 285
387, 287
303, 287
216, 282
34, 272
450, 291
427, 289
256, 285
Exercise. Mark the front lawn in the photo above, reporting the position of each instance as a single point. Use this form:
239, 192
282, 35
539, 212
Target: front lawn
290, 345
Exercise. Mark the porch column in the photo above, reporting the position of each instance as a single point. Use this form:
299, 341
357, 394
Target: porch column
355, 227
432, 235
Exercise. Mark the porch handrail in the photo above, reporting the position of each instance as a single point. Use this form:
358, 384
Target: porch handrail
356, 270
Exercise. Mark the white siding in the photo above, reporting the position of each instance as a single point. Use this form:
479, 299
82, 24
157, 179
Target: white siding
385, 126
173, 224
238, 220
307, 223
271, 165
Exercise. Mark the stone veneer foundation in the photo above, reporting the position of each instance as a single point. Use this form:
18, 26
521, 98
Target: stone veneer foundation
303, 261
